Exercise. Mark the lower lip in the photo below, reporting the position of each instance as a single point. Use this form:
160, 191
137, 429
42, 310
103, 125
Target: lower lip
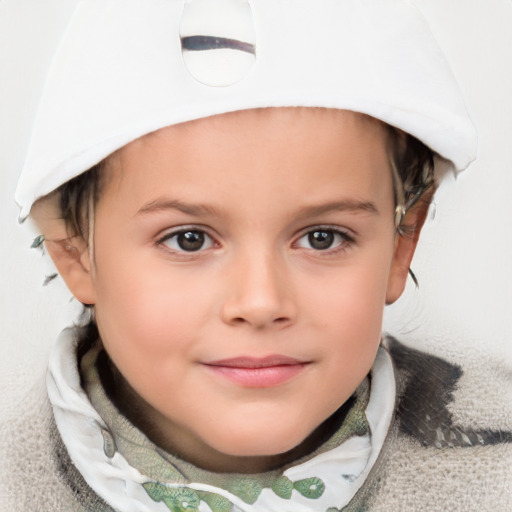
264, 377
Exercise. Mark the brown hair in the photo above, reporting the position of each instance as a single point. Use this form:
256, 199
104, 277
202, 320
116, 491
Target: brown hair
75, 198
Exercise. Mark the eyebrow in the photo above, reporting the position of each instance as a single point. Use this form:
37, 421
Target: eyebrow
350, 205
173, 204
198, 210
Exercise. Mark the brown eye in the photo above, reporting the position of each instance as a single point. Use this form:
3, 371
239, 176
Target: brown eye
321, 240
190, 240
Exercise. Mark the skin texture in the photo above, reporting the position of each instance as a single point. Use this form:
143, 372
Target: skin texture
257, 183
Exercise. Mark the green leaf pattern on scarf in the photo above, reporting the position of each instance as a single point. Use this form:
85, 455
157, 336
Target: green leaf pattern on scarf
185, 499
311, 488
283, 487
177, 499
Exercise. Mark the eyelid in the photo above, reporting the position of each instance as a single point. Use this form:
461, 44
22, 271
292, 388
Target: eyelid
349, 233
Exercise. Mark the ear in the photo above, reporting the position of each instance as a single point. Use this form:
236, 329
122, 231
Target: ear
70, 254
72, 259
405, 245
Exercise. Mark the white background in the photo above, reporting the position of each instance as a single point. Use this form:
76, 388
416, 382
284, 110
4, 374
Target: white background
464, 304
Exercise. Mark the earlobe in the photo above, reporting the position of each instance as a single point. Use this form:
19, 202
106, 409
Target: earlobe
72, 259
405, 246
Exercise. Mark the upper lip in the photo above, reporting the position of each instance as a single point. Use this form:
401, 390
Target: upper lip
256, 362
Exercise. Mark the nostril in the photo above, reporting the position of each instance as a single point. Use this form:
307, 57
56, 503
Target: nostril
256, 321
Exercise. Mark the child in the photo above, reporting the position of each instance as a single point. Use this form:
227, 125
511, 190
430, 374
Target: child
257, 179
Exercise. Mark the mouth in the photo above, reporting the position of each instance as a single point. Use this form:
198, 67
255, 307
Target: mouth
254, 372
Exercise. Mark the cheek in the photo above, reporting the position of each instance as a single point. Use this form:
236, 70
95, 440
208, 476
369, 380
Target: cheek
150, 332
348, 304
356, 291
146, 314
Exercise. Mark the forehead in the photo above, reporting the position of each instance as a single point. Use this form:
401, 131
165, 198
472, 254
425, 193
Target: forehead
255, 149
268, 123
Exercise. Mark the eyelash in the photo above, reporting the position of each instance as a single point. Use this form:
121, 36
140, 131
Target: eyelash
347, 240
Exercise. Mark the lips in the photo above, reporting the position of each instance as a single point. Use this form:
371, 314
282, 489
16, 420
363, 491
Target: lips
252, 372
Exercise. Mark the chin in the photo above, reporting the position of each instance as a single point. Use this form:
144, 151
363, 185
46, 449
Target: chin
259, 442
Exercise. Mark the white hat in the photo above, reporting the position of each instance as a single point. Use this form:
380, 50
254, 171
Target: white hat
125, 68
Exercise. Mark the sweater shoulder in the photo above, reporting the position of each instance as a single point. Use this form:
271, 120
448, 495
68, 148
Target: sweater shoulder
428, 387
436, 457
35, 468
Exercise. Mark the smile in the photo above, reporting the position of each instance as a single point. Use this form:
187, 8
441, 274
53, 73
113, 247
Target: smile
257, 372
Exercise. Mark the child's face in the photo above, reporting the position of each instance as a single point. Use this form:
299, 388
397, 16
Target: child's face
242, 265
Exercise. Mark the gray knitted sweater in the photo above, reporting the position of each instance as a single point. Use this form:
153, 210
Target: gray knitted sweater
433, 459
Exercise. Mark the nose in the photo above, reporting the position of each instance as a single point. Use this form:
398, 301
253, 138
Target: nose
259, 294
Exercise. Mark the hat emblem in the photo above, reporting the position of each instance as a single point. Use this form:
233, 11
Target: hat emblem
218, 40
